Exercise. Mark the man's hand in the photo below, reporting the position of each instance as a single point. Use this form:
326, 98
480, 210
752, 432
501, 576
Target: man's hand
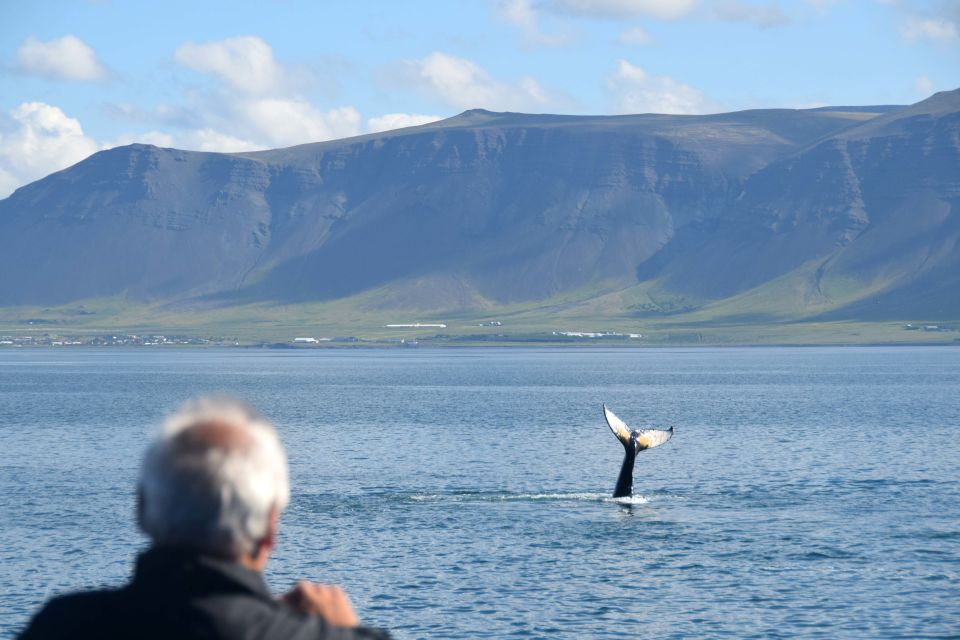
324, 600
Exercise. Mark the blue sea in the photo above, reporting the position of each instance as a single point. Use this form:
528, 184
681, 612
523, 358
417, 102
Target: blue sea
463, 493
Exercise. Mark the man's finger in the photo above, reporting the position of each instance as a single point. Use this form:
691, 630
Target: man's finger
327, 601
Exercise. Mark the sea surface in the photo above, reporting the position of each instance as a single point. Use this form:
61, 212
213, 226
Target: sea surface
463, 493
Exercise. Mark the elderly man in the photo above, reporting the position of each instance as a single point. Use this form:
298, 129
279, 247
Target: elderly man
211, 491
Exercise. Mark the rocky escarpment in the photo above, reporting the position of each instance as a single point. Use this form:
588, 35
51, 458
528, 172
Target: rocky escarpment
489, 208
874, 207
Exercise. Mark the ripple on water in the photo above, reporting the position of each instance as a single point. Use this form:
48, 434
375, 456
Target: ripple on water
789, 504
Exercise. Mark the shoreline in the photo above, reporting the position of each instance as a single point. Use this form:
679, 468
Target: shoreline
375, 346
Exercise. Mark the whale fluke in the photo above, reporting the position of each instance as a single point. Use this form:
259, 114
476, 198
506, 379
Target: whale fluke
633, 442
645, 438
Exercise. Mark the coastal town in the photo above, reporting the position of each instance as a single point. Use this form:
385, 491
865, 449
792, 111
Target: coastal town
298, 342
128, 340
415, 338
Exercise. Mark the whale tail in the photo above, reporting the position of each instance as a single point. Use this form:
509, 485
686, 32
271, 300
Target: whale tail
644, 438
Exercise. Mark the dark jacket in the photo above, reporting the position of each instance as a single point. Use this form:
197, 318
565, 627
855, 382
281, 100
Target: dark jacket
176, 594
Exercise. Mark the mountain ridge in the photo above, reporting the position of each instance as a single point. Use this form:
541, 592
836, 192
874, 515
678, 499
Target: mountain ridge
504, 208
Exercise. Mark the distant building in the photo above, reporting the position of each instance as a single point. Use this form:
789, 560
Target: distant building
306, 340
417, 325
589, 334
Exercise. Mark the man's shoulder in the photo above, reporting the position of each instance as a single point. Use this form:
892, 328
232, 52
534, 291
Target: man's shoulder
84, 599
69, 615
109, 613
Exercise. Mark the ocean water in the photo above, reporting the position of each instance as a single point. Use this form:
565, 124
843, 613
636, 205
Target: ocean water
463, 493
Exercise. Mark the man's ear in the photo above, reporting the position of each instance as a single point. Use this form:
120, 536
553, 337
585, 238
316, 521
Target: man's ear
266, 544
273, 527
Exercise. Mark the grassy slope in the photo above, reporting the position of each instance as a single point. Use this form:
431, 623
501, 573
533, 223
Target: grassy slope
778, 312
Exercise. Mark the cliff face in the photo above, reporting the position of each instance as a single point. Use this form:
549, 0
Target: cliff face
141, 221
874, 207
508, 207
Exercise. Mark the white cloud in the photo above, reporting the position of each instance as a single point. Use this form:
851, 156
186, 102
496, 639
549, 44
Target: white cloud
518, 12
457, 80
256, 105
522, 14
464, 84
37, 139
825, 6
246, 63
236, 115
207, 139
635, 35
636, 91
8, 182
292, 121
203, 139
813, 104
661, 9
923, 85
391, 121
66, 58
764, 16
253, 105
761, 13
219, 123
156, 138
916, 28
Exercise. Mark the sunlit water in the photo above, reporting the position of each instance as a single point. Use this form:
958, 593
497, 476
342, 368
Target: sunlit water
464, 493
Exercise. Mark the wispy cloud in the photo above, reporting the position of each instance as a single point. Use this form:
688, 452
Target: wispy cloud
256, 102
634, 90
929, 28
253, 102
522, 14
923, 85
823, 6
464, 84
760, 13
635, 35
66, 58
660, 9
765, 16
245, 63
391, 121
286, 121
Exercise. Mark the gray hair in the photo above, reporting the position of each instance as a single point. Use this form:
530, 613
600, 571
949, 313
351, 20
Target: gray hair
212, 477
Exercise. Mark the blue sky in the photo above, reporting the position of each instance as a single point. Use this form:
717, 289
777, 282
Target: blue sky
83, 75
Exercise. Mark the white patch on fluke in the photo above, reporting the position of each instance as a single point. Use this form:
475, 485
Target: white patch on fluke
618, 426
650, 438
646, 438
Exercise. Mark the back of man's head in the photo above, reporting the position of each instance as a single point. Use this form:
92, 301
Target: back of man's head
210, 481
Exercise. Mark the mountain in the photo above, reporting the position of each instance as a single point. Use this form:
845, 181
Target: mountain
872, 209
854, 208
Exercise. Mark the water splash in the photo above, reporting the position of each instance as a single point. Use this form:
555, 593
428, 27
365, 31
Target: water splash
524, 497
